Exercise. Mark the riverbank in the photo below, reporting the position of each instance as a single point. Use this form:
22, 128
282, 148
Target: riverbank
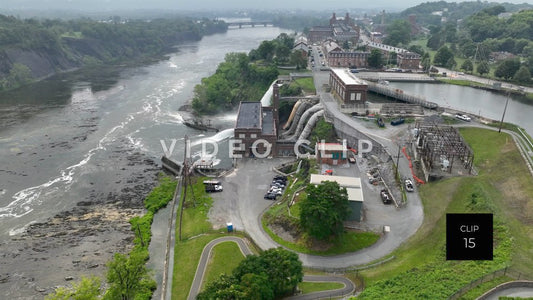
76, 242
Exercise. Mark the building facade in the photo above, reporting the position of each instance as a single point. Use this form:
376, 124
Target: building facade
342, 59
409, 60
254, 125
346, 87
339, 29
331, 154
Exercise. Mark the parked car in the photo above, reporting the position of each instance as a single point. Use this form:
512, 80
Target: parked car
280, 177
409, 185
210, 188
463, 117
270, 196
385, 197
397, 121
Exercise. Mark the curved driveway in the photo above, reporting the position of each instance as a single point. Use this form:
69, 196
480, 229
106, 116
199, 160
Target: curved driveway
348, 288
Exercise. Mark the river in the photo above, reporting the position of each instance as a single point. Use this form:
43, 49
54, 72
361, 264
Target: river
474, 101
63, 139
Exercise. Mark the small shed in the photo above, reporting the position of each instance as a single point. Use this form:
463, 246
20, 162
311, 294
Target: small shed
353, 188
355, 198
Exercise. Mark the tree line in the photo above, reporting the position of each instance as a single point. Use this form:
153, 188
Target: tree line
245, 77
482, 34
85, 41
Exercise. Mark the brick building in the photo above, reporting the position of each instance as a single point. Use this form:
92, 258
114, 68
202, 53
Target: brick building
254, 123
331, 153
338, 29
346, 87
344, 59
409, 60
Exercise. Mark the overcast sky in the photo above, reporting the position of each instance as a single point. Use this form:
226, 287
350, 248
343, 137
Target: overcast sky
102, 5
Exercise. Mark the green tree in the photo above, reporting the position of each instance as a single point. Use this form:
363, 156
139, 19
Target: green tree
346, 45
426, 62
451, 63
467, 66
398, 32
483, 68
522, 75
89, 288
224, 287
128, 277
375, 59
443, 56
19, 75
271, 274
416, 49
299, 59
507, 68
324, 210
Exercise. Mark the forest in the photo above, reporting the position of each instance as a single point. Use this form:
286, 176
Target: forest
33, 48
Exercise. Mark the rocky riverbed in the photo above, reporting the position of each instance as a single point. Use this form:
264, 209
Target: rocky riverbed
80, 241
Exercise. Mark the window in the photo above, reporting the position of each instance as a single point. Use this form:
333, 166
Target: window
352, 96
253, 135
242, 136
358, 97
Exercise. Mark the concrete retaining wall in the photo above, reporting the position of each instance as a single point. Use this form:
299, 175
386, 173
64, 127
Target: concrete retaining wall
507, 285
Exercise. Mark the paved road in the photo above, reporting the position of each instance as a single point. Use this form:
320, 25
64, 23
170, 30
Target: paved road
206, 253
348, 288
455, 74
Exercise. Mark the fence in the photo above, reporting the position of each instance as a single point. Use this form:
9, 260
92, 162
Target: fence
502, 272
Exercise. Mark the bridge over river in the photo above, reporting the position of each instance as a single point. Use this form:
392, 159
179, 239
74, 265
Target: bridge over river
250, 23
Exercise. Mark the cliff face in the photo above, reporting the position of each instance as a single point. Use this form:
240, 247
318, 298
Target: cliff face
75, 53
41, 63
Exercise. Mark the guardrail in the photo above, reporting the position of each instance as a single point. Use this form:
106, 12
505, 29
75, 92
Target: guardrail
501, 272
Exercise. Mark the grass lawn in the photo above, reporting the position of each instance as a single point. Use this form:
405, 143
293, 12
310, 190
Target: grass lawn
503, 187
225, 257
350, 241
186, 256
195, 213
311, 287
307, 85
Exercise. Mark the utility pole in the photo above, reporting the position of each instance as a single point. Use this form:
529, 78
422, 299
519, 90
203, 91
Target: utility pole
503, 115
185, 171
398, 163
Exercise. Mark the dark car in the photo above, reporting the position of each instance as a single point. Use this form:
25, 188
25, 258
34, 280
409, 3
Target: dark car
270, 196
282, 177
385, 197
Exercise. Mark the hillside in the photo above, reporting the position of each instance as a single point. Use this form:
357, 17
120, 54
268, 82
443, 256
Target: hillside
32, 49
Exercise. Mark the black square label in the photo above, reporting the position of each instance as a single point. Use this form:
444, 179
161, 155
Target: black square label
469, 236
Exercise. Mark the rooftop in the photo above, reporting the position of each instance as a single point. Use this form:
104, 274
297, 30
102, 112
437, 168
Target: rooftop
343, 181
331, 147
347, 77
355, 194
268, 123
249, 115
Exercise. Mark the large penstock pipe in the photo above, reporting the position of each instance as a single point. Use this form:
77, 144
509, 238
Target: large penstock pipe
299, 112
311, 124
293, 112
303, 120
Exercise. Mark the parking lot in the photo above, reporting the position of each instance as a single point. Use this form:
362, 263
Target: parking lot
242, 200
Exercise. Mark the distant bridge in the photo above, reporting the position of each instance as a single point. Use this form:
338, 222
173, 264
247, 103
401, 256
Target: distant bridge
250, 23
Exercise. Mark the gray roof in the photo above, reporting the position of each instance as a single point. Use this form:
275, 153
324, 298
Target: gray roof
249, 115
268, 122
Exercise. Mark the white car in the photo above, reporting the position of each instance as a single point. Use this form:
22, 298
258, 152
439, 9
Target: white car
409, 185
463, 117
